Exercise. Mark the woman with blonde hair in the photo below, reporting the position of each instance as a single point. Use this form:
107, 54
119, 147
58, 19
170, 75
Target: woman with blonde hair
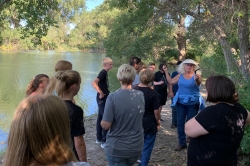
40, 134
187, 99
67, 86
37, 85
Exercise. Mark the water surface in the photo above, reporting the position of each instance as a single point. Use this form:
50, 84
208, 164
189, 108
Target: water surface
17, 69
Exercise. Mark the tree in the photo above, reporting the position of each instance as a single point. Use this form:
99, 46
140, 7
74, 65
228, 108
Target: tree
137, 31
222, 19
38, 16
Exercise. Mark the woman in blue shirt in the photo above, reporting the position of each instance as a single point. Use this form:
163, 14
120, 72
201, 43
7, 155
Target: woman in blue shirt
187, 99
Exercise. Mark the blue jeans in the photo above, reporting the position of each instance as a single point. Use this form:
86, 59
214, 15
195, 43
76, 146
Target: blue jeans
100, 132
174, 116
184, 113
118, 161
149, 141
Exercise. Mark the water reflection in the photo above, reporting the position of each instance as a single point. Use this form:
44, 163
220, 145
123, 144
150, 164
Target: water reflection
17, 69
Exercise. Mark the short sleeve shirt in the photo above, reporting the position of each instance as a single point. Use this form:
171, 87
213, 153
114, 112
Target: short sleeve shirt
225, 124
103, 83
175, 86
76, 122
161, 89
124, 109
151, 104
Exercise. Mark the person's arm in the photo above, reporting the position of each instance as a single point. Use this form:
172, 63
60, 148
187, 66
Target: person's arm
80, 148
248, 118
198, 79
158, 118
105, 125
169, 79
108, 115
193, 129
158, 83
170, 90
95, 85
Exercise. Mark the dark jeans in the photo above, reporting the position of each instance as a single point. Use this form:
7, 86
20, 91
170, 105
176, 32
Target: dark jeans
174, 116
100, 133
149, 141
184, 113
117, 161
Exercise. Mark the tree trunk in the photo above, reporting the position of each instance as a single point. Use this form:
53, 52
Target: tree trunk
181, 37
243, 35
231, 63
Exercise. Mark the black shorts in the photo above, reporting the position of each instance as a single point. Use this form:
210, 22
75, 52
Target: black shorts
162, 98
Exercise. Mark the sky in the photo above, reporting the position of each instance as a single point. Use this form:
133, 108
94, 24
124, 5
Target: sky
91, 4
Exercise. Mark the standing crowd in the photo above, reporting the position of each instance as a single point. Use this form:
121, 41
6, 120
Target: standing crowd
48, 125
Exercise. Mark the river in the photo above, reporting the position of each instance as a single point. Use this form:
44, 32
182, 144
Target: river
17, 69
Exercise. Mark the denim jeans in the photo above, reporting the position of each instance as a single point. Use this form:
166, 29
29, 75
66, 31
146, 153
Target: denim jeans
118, 161
184, 113
174, 116
100, 133
149, 141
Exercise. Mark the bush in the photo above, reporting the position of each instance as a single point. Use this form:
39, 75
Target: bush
244, 90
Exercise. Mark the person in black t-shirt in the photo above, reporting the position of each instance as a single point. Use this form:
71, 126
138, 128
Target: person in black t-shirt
216, 132
67, 86
161, 85
101, 86
152, 115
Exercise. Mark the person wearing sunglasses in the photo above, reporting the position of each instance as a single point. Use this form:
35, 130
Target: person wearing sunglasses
187, 99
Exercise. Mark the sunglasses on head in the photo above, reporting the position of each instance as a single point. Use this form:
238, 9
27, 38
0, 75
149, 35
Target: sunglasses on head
189, 64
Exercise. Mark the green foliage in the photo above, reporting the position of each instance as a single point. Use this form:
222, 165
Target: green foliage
134, 32
243, 89
213, 64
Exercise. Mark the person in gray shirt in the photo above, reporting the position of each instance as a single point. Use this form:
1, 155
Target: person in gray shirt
123, 115
135, 62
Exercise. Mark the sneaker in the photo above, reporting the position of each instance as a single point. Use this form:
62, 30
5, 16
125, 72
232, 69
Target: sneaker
138, 161
98, 141
161, 119
102, 145
179, 148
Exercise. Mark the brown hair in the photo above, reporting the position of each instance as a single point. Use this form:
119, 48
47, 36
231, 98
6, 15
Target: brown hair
63, 65
146, 76
64, 80
34, 83
220, 89
39, 133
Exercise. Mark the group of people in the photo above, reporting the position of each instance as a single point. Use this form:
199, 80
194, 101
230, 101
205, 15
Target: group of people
131, 116
48, 126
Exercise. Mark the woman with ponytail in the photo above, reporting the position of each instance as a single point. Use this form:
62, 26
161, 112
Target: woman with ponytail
37, 85
67, 86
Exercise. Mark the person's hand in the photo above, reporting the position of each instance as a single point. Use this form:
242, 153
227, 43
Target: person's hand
197, 77
158, 124
170, 94
161, 82
101, 95
165, 69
